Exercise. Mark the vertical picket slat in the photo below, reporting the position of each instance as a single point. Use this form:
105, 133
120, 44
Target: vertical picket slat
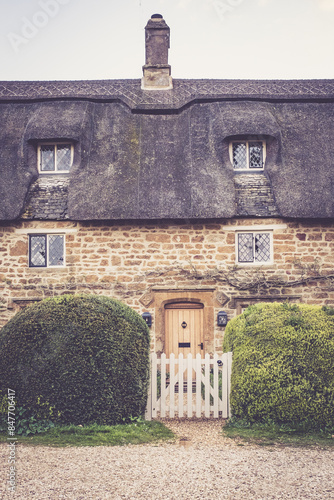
207, 385
163, 389
198, 368
158, 399
154, 384
180, 385
148, 411
220, 371
215, 386
190, 385
172, 386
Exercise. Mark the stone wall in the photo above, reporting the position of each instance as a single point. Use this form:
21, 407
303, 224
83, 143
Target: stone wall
142, 264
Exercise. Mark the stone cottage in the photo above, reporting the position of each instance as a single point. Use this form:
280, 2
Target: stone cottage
185, 199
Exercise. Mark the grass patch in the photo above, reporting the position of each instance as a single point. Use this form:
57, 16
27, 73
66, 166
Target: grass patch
275, 435
138, 432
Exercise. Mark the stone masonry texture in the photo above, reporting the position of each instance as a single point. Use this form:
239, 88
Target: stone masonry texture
132, 261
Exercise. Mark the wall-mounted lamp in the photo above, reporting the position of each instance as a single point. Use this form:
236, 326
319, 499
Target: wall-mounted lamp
148, 318
222, 318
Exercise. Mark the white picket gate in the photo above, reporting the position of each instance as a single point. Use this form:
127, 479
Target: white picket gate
185, 387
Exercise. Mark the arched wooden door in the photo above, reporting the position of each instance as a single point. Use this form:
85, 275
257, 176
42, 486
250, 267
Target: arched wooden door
184, 329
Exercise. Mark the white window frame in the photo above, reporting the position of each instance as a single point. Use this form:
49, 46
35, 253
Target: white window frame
255, 232
47, 237
55, 145
246, 142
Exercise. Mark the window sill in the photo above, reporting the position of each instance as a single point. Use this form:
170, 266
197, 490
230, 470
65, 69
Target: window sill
46, 269
66, 173
255, 264
249, 171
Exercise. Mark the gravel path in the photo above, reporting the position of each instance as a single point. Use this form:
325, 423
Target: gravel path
200, 464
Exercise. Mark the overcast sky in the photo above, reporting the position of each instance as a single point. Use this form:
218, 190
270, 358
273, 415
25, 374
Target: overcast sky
104, 39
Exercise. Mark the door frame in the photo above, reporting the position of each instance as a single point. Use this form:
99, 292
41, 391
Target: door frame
205, 296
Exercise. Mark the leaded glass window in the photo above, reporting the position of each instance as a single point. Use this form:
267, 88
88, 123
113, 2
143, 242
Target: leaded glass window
239, 155
63, 157
255, 155
262, 247
46, 250
55, 157
56, 250
37, 251
245, 247
47, 158
254, 247
247, 154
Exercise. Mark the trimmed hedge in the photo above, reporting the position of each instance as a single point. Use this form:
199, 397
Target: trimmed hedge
77, 359
283, 364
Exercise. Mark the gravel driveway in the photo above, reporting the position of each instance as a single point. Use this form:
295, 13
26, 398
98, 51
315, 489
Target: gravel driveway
201, 464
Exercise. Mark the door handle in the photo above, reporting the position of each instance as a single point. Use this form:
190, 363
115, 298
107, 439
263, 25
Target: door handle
202, 346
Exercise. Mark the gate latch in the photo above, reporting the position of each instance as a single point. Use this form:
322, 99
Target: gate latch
202, 346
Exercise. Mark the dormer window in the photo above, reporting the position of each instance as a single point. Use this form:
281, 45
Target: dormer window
248, 155
55, 157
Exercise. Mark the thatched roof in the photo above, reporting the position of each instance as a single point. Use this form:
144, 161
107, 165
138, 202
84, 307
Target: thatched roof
143, 154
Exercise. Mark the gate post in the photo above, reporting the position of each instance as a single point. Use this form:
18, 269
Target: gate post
148, 412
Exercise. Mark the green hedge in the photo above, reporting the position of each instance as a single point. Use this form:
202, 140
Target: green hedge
283, 364
77, 359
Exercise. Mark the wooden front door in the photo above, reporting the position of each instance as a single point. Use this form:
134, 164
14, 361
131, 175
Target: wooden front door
184, 329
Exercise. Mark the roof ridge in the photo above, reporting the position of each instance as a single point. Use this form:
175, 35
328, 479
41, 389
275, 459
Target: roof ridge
184, 91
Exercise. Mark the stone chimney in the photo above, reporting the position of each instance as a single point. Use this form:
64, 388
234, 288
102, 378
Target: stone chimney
157, 71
